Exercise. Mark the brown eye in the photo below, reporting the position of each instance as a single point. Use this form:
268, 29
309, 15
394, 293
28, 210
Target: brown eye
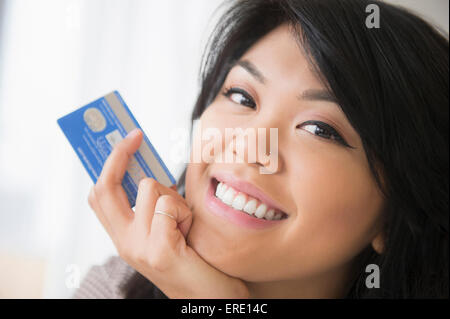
239, 96
323, 130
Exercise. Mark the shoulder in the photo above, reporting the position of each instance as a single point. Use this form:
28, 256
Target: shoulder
115, 279
106, 281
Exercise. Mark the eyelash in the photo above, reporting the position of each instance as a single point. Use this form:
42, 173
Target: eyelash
325, 129
322, 128
229, 91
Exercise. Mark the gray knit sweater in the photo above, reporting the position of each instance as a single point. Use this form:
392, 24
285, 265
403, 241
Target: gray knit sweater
116, 280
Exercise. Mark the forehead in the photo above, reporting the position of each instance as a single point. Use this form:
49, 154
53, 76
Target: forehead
279, 55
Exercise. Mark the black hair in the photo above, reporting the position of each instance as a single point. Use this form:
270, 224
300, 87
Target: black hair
392, 84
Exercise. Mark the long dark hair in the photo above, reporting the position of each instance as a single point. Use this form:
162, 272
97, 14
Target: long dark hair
392, 84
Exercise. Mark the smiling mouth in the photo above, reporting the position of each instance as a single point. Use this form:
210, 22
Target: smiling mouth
245, 203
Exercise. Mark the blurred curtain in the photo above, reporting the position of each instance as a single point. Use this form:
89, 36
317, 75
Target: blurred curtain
55, 56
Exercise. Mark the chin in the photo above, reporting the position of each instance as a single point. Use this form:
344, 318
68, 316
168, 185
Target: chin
224, 258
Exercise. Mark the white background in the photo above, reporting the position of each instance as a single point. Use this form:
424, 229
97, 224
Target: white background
57, 55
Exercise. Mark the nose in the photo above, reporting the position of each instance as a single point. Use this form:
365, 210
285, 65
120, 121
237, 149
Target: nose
254, 145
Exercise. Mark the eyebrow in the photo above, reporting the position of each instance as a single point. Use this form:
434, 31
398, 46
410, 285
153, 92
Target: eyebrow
251, 68
307, 95
317, 95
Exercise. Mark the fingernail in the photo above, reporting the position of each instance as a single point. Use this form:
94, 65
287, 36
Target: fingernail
133, 133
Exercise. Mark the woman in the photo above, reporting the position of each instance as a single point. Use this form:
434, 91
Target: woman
357, 205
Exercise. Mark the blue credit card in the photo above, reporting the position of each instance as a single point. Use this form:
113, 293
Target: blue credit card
94, 129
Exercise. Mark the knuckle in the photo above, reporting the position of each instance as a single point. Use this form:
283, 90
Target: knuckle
165, 202
101, 188
147, 184
139, 255
156, 261
98, 189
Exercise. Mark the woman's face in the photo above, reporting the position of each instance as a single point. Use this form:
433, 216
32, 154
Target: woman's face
326, 190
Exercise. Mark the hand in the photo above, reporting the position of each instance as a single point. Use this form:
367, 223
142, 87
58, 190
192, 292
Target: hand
155, 244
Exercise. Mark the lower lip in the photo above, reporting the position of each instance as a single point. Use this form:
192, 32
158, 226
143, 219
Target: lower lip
237, 217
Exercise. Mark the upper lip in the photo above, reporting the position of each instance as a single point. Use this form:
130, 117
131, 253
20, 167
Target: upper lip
248, 188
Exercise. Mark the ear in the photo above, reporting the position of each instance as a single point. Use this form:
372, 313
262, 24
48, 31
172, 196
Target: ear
378, 243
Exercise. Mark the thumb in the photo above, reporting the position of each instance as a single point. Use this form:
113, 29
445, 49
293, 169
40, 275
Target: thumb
117, 162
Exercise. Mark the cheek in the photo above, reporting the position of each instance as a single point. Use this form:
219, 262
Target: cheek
338, 206
214, 116
194, 173
206, 143
190, 173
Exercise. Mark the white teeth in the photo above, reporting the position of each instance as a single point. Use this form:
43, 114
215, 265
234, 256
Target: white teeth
239, 202
269, 214
261, 211
221, 189
250, 207
277, 216
229, 196
243, 202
